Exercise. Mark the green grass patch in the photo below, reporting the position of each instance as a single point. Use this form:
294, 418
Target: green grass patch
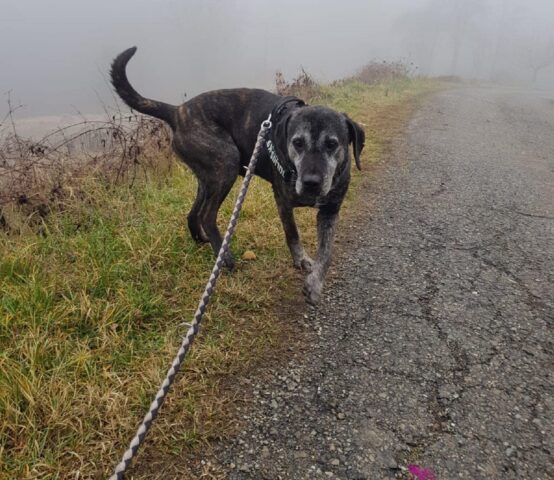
92, 307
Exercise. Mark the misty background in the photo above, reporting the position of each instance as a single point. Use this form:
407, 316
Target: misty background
55, 54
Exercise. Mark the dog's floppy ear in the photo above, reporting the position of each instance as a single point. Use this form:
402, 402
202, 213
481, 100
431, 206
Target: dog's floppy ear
356, 137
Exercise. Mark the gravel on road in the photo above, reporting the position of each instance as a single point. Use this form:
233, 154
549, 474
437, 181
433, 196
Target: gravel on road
433, 343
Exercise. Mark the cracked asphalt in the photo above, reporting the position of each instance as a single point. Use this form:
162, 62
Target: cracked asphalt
433, 343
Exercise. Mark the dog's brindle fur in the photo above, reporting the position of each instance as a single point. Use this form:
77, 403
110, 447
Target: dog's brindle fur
215, 133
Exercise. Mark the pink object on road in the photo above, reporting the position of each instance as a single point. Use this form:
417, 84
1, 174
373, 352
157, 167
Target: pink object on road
420, 473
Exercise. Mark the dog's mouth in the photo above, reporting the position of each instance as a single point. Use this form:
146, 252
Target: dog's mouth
308, 193
310, 185
311, 191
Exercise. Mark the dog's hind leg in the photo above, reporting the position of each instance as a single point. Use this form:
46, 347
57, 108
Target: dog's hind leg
193, 218
215, 161
215, 194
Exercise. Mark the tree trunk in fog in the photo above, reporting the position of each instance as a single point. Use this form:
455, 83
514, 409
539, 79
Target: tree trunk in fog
455, 54
500, 39
453, 66
535, 74
457, 37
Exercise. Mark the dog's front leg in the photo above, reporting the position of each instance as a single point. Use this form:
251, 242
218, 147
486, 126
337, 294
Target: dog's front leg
299, 257
313, 285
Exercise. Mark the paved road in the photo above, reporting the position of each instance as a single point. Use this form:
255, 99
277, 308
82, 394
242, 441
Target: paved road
434, 342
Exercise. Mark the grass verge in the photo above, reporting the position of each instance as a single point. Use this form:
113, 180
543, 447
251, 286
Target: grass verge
92, 308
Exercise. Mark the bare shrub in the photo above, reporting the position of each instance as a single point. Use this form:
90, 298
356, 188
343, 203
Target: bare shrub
303, 86
376, 72
36, 175
449, 78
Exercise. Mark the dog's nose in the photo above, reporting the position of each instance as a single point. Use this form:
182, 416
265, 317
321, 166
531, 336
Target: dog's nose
311, 182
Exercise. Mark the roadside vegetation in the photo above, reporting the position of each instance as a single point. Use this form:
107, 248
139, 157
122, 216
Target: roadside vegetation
99, 276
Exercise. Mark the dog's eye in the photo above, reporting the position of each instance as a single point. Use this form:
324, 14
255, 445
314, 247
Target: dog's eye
298, 143
331, 144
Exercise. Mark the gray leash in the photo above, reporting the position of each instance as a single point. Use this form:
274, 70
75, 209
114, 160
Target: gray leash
194, 326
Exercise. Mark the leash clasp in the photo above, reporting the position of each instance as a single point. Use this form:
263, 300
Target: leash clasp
266, 124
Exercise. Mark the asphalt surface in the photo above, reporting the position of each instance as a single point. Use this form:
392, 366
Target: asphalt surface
433, 343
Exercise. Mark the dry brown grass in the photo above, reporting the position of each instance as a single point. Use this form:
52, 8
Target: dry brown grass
303, 86
37, 176
374, 73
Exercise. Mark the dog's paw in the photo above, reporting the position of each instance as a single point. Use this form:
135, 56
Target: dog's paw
200, 238
312, 289
305, 264
229, 262
196, 231
203, 238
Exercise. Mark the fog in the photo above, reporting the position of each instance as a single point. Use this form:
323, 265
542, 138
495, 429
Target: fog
55, 54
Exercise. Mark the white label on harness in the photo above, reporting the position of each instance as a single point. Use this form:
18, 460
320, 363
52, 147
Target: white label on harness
274, 157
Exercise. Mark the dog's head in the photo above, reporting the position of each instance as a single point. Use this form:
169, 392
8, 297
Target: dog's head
316, 141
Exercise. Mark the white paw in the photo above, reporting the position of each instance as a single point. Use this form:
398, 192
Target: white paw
304, 263
312, 289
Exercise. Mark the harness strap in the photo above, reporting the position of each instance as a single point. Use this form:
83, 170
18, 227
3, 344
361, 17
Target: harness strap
282, 106
286, 169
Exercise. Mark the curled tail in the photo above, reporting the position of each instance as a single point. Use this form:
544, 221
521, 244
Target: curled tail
131, 97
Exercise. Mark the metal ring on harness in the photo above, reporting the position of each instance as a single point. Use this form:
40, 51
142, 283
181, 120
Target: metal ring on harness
267, 123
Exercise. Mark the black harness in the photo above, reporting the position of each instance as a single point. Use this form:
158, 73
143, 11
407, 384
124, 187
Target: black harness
285, 168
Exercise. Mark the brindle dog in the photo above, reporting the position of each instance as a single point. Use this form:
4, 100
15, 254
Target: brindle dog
215, 133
